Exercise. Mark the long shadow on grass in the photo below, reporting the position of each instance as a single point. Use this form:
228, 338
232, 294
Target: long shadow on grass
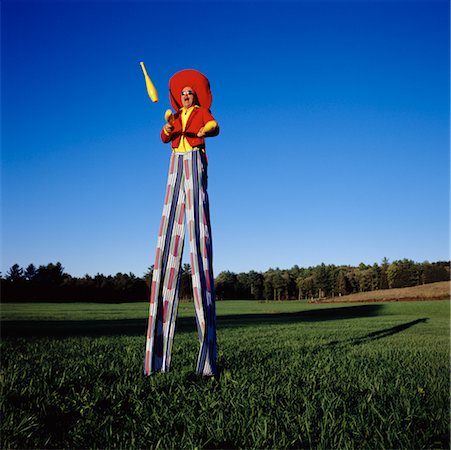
378, 334
136, 327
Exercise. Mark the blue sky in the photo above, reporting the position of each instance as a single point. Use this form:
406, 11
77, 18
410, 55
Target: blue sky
334, 143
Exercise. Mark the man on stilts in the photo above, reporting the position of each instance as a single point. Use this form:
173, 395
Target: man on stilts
186, 194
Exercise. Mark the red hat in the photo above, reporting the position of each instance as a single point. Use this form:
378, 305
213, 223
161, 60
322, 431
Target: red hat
194, 79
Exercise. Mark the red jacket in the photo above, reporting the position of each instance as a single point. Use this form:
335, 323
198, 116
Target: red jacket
197, 119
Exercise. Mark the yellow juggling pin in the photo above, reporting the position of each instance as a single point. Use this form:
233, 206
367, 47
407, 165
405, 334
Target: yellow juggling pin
149, 85
169, 117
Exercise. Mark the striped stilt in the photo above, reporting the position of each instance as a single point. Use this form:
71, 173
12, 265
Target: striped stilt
186, 193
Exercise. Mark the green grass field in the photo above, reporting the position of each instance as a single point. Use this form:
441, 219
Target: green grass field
293, 375
99, 311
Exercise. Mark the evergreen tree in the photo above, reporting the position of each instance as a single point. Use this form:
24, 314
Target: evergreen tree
30, 272
15, 273
383, 280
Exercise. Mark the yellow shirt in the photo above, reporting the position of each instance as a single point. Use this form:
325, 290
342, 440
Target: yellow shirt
184, 144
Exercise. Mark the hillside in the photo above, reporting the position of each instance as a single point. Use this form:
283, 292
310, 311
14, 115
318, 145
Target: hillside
432, 291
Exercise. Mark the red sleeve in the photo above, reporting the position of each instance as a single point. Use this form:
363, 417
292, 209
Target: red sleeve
207, 116
164, 137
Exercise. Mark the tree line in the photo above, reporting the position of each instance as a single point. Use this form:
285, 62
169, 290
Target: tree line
325, 281
50, 282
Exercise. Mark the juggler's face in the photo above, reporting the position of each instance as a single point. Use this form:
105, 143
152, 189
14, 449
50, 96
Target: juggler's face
187, 97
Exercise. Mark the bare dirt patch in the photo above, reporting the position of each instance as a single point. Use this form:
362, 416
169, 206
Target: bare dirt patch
432, 291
